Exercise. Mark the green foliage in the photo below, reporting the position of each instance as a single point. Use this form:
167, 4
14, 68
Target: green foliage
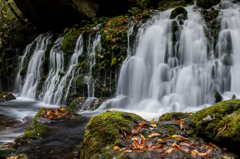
7, 20
166, 4
135, 11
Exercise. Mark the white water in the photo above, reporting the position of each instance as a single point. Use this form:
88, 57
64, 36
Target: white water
35, 71
162, 77
56, 67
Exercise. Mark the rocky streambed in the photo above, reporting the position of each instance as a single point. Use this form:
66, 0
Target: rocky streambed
61, 133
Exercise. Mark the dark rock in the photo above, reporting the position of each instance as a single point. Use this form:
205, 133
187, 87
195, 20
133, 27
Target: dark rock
207, 3
144, 155
177, 154
218, 97
179, 10
66, 13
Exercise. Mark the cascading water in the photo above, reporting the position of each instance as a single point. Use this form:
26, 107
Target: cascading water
165, 76
22, 61
71, 71
34, 71
56, 68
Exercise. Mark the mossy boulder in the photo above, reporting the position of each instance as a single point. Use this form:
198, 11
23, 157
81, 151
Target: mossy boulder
207, 3
104, 131
174, 115
35, 128
219, 123
179, 10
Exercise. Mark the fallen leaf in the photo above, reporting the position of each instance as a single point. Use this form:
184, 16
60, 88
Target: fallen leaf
174, 144
204, 154
153, 125
169, 150
225, 157
151, 128
116, 148
135, 138
137, 151
178, 146
213, 145
224, 127
159, 146
194, 152
153, 135
134, 131
185, 149
152, 121
181, 137
181, 125
159, 140
52, 151
208, 147
224, 149
194, 145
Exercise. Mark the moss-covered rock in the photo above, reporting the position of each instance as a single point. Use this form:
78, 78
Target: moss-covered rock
174, 115
219, 123
179, 10
7, 152
36, 128
207, 3
104, 131
4, 96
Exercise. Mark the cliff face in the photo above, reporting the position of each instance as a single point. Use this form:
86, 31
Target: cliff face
65, 13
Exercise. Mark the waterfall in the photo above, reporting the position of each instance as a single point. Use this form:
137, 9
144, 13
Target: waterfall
34, 71
58, 95
56, 67
165, 76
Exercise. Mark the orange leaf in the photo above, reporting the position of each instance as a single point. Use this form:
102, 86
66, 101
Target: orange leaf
185, 149
181, 125
181, 137
151, 146
116, 148
174, 144
204, 154
153, 135
208, 147
194, 145
142, 124
160, 140
137, 151
194, 152
213, 145
159, 146
178, 147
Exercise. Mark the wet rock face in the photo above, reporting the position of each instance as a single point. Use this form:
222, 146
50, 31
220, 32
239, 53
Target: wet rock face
65, 13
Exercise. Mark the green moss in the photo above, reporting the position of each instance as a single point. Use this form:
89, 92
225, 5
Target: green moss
166, 4
36, 128
207, 3
103, 132
7, 151
145, 14
210, 122
172, 116
114, 61
179, 10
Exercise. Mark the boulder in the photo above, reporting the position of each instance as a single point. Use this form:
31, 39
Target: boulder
219, 123
4, 96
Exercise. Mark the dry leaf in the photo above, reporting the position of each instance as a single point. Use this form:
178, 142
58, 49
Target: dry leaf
174, 144
181, 125
178, 146
152, 121
153, 125
137, 151
213, 145
159, 140
185, 149
116, 148
169, 150
135, 138
153, 135
194, 152
181, 137
159, 146
204, 154
225, 157
208, 147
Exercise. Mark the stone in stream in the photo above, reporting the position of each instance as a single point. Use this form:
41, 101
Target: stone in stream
52, 138
4, 96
